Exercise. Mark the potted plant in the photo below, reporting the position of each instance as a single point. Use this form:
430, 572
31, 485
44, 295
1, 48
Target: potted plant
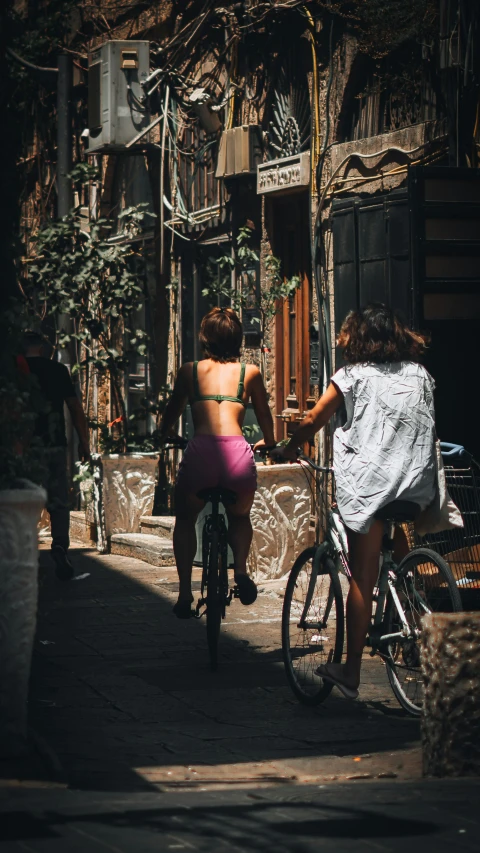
96, 278
21, 503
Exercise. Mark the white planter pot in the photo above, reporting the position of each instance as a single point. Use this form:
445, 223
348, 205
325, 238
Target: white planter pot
281, 520
125, 491
19, 514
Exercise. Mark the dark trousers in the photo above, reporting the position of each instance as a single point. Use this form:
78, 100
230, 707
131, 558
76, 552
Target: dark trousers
56, 485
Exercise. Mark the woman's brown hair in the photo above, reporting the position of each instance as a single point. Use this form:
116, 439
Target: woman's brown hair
377, 334
221, 334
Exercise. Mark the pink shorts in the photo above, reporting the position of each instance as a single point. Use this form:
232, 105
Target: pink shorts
217, 460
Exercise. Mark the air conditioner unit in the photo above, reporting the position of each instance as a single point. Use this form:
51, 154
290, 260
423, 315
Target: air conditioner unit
240, 151
117, 108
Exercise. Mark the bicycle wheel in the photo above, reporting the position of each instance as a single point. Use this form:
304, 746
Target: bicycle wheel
424, 584
214, 603
320, 639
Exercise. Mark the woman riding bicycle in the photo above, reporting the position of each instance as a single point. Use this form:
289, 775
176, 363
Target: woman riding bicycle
218, 389
383, 452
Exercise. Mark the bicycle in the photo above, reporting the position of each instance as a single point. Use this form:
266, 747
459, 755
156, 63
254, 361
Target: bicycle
215, 592
313, 620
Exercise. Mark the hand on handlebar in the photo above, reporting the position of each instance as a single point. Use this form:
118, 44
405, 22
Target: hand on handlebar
174, 440
282, 453
262, 447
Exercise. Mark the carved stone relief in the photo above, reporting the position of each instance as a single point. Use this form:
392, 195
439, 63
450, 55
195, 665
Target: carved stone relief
128, 488
280, 518
19, 515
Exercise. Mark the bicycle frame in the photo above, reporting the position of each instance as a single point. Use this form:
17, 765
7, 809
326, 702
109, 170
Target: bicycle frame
335, 546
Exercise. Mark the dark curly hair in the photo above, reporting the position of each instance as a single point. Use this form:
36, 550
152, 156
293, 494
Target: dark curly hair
377, 334
221, 335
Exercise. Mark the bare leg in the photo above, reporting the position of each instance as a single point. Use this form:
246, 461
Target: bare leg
240, 531
187, 508
364, 555
364, 552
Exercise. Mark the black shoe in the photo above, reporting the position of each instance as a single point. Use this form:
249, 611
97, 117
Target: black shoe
247, 590
63, 567
183, 610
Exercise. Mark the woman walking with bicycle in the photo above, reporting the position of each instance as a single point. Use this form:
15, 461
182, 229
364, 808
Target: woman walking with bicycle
383, 452
218, 389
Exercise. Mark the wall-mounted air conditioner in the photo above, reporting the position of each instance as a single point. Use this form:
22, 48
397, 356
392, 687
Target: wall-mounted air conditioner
117, 108
240, 151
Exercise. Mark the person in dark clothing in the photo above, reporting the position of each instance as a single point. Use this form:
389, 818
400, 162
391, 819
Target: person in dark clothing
57, 388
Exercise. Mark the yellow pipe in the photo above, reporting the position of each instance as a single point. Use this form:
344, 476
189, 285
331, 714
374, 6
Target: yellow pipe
316, 139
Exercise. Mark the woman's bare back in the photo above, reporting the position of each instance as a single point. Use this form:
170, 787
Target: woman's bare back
211, 417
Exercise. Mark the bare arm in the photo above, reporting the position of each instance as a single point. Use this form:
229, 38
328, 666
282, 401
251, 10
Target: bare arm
327, 405
176, 404
81, 425
262, 410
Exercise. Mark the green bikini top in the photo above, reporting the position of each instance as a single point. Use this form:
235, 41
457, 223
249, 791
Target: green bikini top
219, 397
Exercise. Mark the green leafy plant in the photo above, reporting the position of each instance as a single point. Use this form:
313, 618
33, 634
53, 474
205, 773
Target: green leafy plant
96, 279
251, 432
20, 404
85, 481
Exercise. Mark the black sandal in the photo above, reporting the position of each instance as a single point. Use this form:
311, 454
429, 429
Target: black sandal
247, 589
183, 610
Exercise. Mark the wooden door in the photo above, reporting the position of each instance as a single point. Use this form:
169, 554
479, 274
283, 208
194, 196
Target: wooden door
292, 332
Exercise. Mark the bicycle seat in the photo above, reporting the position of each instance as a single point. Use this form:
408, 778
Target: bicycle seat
223, 496
398, 511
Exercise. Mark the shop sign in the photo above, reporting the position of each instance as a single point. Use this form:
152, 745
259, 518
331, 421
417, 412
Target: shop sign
287, 173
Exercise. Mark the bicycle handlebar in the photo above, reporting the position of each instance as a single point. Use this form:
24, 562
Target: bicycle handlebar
451, 449
175, 441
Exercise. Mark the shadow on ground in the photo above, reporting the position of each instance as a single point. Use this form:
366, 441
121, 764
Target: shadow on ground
431, 815
122, 692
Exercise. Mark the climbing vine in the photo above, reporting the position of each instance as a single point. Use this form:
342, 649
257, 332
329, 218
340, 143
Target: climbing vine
262, 303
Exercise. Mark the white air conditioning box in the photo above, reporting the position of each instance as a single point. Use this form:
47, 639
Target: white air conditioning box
117, 108
240, 151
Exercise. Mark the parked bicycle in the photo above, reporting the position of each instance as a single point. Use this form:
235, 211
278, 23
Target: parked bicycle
313, 620
215, 591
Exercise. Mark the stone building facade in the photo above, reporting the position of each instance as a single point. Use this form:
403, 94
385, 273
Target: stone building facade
345, 141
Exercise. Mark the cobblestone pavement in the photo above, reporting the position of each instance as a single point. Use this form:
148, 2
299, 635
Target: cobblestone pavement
122, 692
151, 743
436, 816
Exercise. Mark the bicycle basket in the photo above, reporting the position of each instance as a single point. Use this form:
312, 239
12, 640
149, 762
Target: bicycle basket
460, 547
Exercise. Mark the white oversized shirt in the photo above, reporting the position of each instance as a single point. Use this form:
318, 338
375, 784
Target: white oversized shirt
385, 449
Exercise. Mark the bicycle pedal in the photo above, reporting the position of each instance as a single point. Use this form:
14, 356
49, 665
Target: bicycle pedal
235, 592
200, 603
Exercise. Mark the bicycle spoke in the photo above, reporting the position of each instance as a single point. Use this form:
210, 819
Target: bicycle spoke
424, 585
314, 641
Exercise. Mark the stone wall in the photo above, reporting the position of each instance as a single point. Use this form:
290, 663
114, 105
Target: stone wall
451, 715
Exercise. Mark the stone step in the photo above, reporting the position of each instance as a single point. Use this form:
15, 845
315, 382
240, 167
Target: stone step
158, 525
82, 530
153, 549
